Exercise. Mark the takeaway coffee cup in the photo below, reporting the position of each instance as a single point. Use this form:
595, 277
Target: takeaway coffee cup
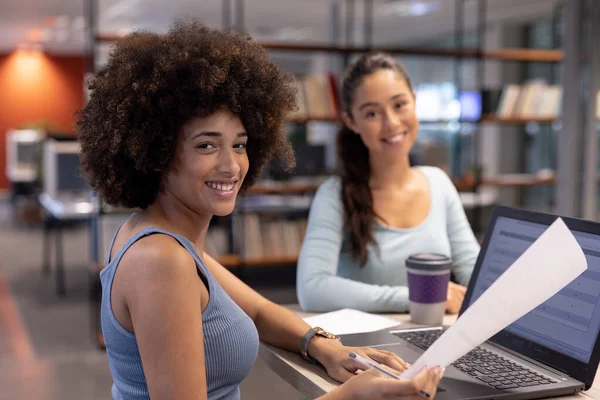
428, 277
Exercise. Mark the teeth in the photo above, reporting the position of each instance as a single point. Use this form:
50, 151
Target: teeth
219, 186
394, 139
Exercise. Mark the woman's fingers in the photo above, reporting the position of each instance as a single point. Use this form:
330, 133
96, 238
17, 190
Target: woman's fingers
455, 298
423, 384
389, 359
342, 374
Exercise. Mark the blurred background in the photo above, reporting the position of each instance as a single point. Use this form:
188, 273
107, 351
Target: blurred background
507, 96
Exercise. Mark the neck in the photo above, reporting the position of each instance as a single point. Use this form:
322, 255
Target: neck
389, 173
180, 219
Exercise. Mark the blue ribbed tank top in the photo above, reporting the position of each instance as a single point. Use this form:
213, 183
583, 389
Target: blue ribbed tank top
230, 337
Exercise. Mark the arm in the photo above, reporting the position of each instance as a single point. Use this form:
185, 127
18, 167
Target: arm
276, 325
282, 328
463, 244
318, 287
165, 309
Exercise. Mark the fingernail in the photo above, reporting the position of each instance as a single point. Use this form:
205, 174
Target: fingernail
442, 372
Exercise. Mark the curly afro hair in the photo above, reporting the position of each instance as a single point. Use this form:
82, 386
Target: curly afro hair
154, 83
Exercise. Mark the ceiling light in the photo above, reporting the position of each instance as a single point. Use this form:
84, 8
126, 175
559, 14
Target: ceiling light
120, 8
290, 33
408, 8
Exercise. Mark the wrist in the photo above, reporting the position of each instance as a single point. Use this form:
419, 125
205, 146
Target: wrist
321, 348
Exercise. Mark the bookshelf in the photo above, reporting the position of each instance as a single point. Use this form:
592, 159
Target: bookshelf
283, 188
269, 261
492, 118
300, 120
526, 55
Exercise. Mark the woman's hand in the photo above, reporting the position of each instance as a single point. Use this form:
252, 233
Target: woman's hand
335, 357
373, 385
456, 295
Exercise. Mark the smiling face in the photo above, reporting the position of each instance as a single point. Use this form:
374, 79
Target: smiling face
210, 164
383, 114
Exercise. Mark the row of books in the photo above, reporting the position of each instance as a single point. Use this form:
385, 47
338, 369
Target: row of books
534, 99
268, 237
317, 96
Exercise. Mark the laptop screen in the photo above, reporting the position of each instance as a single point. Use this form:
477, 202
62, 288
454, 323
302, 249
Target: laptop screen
569, 321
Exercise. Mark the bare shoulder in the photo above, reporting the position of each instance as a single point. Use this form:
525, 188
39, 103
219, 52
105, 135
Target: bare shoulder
157, 257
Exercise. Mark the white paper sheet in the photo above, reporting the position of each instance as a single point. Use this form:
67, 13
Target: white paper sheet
348, 320
549, 264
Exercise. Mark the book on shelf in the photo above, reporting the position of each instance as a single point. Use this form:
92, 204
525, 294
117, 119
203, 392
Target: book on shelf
302, 111
508, 101
534, 99
267, 237
317, 96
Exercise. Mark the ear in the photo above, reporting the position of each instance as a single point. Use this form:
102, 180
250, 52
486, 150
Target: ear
348, 121
414, 95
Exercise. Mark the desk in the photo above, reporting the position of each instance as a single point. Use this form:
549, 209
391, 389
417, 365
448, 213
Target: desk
313, 381
58, 211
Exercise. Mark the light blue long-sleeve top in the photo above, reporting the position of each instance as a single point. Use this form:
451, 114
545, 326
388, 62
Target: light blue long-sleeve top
328, 278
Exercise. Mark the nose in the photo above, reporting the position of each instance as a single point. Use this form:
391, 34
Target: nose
392, 120
228, 163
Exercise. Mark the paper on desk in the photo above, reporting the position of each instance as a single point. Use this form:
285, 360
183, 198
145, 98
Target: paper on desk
549, 264
348, 320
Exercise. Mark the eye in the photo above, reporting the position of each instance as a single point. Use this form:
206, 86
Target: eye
400, 104
239, 146
208, 146
370, 114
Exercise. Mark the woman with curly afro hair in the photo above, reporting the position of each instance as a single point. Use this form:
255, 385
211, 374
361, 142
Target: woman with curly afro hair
177, 125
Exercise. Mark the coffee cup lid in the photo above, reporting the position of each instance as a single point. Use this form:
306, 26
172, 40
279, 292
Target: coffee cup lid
429, 261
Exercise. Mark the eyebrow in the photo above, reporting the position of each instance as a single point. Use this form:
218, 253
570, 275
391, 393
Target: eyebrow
394, 97
215, 134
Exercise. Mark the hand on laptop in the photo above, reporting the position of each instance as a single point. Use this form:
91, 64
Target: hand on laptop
334, 357
456, 295
373, 385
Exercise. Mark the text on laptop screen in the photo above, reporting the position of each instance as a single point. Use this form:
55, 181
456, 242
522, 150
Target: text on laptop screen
568, 322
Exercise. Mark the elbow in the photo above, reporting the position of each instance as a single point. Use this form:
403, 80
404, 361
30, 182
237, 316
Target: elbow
312, 296
307, 295
313, 285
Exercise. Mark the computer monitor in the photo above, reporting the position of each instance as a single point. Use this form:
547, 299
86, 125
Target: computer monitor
569, 321
470, 105
61, 168
23, 154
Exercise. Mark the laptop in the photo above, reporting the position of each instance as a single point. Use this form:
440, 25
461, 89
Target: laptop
551, 351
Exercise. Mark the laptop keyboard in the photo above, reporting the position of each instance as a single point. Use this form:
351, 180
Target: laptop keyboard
482, 364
